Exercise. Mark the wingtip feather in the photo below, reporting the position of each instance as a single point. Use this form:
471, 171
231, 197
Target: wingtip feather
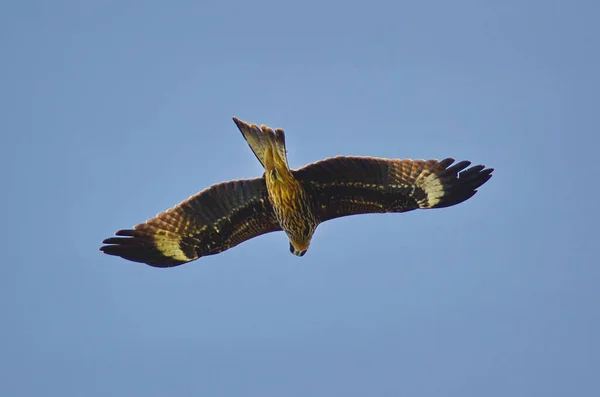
461, 183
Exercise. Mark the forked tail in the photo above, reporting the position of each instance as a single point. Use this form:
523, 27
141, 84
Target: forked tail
261, 138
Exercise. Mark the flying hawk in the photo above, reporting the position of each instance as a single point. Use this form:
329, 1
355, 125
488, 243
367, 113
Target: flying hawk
295, 201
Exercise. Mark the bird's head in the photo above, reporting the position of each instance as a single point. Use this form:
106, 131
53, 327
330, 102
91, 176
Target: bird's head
299, 248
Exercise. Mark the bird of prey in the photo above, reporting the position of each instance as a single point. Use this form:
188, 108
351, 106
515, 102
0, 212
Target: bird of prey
294, 201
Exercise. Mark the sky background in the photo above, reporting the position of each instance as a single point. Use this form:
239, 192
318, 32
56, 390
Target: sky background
113, 111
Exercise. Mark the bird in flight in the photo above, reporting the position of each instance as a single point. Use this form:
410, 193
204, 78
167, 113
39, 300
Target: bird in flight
294, 201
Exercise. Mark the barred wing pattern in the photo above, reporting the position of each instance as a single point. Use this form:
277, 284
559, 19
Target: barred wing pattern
210, 222
346, 185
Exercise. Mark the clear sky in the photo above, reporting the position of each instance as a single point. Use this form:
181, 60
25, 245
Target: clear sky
113, 111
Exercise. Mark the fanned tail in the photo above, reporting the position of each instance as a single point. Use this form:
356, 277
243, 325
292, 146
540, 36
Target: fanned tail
261, 138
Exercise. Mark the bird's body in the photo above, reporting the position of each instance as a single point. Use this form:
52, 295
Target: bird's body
293, 201
287, 195
291, 206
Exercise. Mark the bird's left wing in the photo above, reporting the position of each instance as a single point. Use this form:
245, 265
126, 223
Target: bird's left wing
210, 222
346, 185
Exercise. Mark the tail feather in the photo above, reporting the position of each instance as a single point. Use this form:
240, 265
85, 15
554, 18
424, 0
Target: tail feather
261, 138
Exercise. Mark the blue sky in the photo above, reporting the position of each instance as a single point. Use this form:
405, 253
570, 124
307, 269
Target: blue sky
113, 111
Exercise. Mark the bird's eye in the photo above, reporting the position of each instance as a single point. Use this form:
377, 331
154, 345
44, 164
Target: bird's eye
292, 248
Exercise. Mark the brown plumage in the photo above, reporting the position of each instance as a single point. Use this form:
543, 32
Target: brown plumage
295, 201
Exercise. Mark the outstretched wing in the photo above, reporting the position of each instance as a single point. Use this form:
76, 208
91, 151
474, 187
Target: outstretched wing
342, 186
210, 222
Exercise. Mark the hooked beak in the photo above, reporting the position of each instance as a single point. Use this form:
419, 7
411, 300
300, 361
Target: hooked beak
296, 252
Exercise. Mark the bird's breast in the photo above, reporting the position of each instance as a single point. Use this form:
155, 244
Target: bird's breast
291, 206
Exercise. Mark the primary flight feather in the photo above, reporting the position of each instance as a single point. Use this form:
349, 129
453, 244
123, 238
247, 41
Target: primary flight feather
294, 201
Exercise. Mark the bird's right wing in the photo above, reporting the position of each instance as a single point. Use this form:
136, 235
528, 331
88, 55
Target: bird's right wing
342, 186
207, 223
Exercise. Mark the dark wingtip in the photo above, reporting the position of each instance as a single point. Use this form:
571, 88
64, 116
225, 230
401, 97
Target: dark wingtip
462, 183
445, 163
137, 248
